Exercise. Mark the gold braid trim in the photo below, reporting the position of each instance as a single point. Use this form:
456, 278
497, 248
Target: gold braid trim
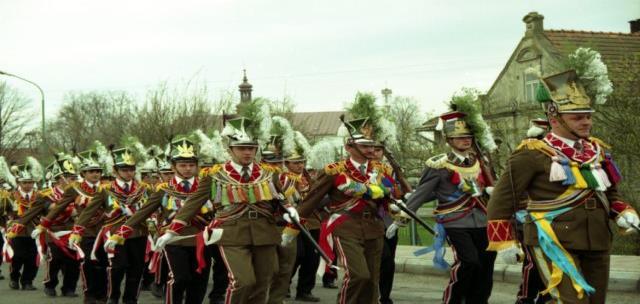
270, 168
210, 171
46, 192
437, 162
536, 144
335, 168
162, 186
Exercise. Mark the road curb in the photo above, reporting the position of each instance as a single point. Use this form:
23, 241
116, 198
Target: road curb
624, 273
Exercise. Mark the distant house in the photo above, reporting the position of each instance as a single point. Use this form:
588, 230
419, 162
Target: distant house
316, 125
510, 102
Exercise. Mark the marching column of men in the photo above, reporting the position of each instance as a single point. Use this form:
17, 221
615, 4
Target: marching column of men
260, 216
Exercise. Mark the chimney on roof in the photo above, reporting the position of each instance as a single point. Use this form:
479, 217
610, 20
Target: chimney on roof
635, 26
533, 21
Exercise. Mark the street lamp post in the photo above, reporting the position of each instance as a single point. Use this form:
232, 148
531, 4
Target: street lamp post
44, 141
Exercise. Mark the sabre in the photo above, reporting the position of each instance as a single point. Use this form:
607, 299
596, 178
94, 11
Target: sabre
306, 233
415, 217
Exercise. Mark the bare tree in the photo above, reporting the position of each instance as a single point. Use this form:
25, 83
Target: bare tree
14, 118
411, 150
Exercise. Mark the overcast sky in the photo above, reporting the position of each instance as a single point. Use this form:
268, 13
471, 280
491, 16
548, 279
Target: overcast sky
318, 52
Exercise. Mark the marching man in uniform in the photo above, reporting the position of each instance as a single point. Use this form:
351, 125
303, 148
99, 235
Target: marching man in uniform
119, 200
570, 183
185, 282
25, 254
359, 189
460, 181
244, 196
59, 257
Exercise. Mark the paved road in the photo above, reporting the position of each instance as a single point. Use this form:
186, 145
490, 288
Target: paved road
408, 288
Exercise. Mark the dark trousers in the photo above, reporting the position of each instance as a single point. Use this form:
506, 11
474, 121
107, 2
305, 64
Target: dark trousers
307, 261
184, 282
471, 277
59, 262
128, 261
25, 254
94, 273
387, 269
220, 275
531, 284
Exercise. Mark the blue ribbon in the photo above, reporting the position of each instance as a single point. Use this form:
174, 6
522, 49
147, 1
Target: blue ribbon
438, 247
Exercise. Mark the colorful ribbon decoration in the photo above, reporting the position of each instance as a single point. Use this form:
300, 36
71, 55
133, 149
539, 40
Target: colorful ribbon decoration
561, 260
438, 248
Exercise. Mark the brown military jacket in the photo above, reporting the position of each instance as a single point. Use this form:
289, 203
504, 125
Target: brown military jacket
18, 207
117, 205
343, 183
244, 210
45, 201
76, 197
164, 204
584, 227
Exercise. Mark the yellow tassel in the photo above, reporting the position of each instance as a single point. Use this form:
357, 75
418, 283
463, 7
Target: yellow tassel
580, 182
267, 194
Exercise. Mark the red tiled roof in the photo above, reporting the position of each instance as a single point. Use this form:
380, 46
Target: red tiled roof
613, 47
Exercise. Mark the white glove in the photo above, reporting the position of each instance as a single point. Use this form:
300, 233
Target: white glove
291, 215
408, 195
164, 240
394, 208
287, 239
392, 230
110, 245
36, 233
489, 190
212, 236
628, 220
511, 255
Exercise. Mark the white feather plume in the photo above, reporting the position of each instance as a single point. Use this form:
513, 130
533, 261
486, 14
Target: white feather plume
212, 147
302, 143
282, 127
326, 151
5, 172
593, 73
36, 169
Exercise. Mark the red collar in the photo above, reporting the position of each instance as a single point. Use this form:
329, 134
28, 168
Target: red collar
178, 186
231, 171
355, 172
587, 154
119, 190
87, 188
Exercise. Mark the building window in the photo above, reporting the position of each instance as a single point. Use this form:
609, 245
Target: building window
530, 83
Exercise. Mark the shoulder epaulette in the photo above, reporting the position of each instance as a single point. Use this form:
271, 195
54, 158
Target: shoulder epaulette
103, 187
75, 184
437, 162
335, 168
210, 171
599, 142
536, 144
162, 186
270, 168
145, 185
46, 192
